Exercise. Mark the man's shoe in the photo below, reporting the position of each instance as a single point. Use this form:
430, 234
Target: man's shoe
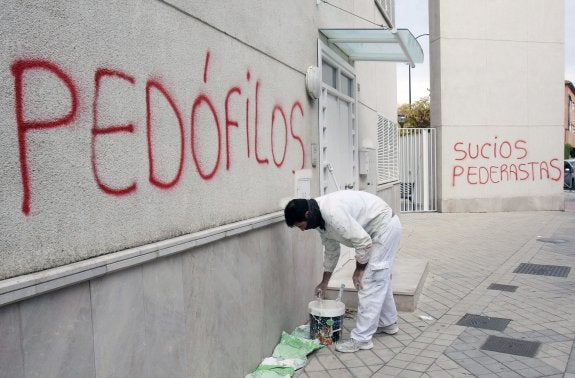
352, 345
391, 329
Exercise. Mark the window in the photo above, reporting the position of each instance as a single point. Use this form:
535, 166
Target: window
346, 85
328, 74
387, 151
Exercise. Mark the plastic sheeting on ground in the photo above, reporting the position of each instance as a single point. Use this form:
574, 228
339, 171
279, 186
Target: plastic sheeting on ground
288, 356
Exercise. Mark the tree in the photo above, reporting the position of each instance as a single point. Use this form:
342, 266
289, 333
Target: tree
416, 115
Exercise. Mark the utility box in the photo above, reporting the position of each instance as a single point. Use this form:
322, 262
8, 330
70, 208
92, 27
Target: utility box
364, 161
368, 169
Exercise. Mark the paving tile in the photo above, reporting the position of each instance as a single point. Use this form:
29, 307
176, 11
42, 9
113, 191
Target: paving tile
509, 374
405, 357
375, 368
411, 374
548, 370
313, 365
424, 360
385, 355
436, 374
529, 373
495, 367
330, 362
350, 359
387, 371
430, 353
361, 372
318, 374
474, 368
340, 373
418, 367
369, 358
515, 365
397, 363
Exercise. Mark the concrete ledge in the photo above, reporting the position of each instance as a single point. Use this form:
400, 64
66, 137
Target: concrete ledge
29, 285
409, 275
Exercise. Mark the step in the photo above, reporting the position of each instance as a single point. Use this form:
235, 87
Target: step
408, 278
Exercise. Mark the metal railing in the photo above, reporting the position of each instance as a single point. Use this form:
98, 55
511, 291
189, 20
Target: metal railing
418, 169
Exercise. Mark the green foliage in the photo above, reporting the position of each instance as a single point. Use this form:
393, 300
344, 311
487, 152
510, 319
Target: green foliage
418, 114
567, 151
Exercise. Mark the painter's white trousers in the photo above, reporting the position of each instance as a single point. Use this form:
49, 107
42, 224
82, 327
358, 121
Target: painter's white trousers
376, 307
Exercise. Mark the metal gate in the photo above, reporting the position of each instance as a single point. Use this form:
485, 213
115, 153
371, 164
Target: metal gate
418, 169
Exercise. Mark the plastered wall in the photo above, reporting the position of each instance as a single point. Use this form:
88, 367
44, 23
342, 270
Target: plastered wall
125, 123
496, 97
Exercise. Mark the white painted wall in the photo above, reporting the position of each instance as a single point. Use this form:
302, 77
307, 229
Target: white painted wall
497, 74
90, 194
162, 261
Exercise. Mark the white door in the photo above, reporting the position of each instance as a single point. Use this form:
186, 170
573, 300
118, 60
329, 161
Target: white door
337, 122
338, 142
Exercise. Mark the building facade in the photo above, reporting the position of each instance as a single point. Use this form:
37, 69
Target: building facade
147, 149
497, 73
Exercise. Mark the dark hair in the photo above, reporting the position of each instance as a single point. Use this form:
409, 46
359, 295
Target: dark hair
295, 211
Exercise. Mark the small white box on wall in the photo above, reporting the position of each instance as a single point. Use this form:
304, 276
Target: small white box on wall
303, 183
364, 161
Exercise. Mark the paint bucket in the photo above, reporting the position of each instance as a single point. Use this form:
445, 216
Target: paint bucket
326, 320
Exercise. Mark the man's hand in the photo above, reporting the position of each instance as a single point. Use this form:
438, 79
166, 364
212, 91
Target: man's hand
358, 275
322, 287
320, 290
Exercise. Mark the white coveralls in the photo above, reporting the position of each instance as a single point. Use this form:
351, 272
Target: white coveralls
365, 222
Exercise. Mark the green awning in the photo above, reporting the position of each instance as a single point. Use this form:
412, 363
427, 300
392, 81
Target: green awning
376, 44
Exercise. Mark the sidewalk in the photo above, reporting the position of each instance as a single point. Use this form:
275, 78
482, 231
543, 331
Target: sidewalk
476, 316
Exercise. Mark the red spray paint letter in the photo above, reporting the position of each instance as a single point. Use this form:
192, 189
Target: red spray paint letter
203, 99
154, 180
279, 109
258, 159
18, 70
297, 104
96, 131
230, 122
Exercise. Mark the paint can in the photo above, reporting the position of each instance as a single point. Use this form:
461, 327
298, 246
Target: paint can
326, 320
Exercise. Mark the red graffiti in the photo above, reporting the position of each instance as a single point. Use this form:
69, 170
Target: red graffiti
152, 176
204, 113
206, 67
279, 109
248, 76
99, 131
203, 99
517, 170
258, 159
230, 122
489, 150
19, 68
297, 105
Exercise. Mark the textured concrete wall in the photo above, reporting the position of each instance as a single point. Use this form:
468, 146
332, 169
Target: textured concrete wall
215, 311
125, 123
496, 95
